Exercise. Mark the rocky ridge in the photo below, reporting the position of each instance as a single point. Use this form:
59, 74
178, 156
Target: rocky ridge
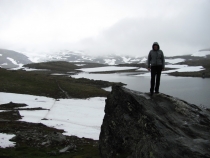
138, 126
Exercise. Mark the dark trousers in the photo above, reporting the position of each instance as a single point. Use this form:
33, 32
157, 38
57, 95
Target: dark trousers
155, 76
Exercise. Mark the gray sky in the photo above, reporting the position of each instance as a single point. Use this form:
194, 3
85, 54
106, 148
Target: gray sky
127, 27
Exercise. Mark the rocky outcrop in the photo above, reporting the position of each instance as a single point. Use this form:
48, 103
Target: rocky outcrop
138, 126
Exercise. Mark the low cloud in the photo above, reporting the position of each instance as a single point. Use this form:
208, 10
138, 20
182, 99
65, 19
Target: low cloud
183, 34
105, 27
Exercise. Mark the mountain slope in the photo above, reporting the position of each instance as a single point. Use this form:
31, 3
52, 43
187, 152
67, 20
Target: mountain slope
12, 59
71, 56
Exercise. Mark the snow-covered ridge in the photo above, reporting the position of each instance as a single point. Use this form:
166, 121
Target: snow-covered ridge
71, 56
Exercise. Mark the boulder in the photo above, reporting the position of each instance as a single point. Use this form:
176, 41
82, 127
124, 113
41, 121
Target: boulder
57, 137
136, 125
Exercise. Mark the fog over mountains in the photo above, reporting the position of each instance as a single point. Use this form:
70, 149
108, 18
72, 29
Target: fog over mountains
12, 59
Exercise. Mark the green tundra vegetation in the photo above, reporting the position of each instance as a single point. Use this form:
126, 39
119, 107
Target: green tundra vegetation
44, 84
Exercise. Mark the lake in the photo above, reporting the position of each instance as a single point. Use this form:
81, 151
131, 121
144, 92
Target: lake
191, 89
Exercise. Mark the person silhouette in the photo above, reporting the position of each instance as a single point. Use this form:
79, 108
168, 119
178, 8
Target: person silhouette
156, 64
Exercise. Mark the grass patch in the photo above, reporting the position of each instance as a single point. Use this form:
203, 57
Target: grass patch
41, 84
62, 66
85, 151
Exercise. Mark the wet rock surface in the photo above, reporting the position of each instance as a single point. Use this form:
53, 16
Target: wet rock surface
138, 126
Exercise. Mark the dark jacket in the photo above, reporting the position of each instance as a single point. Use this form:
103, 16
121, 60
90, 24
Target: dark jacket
156, 58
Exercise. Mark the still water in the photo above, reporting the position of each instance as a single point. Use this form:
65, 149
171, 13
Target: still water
193, 90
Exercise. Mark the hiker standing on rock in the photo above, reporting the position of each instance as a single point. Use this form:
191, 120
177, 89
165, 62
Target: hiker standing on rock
156, 63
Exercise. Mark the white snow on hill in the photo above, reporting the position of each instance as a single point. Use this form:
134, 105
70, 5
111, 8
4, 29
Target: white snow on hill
12, 60
143, 60
110, 61
79, 117
174, 61
201, 53
15, 63
126, 60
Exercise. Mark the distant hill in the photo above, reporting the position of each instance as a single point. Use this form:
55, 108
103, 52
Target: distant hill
71, 56
207, 49
12, 59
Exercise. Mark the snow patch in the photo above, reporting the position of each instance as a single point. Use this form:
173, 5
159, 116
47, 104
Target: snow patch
86, 58
142, 69
175, 66
174, 61
143, 60
186, 69
109, 89
201, 54
4, 140
15, 63
12, 60
58, 74
31, 69
126, 60
80, 64
80, 117
110, 61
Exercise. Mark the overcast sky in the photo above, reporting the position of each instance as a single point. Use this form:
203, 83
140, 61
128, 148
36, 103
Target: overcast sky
127, 27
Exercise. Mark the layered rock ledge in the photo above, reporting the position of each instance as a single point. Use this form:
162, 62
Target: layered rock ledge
136, 125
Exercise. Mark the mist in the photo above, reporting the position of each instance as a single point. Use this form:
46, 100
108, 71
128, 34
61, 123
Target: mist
104, 27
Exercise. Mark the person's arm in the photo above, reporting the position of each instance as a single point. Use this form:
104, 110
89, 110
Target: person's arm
148, 61
163, 61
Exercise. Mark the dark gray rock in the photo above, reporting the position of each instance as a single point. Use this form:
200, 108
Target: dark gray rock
138, 126
57, 137
68, 148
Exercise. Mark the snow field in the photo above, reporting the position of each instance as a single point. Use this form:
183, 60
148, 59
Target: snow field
4, 140
79, 117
